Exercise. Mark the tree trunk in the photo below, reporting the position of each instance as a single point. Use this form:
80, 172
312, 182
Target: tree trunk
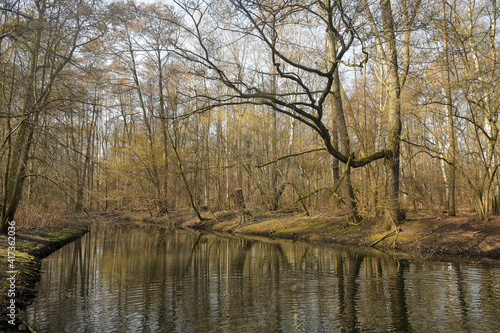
19, 153
16, 171
449, 113
163, 204
276, 187
183, 174
395, 213
345, 149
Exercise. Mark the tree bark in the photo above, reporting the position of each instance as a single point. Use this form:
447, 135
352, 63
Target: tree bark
345, 149
394, 114
163, 205
19, 153
451, 184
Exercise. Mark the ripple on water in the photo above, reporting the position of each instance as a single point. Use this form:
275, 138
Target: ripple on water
136, 281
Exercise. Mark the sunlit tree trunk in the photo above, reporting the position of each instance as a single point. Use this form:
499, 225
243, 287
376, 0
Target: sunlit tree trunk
163, 126
396, 75
341, 127
394, 114
452, 152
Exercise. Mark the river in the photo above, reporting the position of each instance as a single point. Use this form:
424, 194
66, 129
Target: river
121, 278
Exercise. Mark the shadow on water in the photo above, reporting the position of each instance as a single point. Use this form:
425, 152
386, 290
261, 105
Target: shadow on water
142, 279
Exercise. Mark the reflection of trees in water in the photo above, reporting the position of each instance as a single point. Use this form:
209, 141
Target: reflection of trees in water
399, 310
347, 290
462, 298
371, 293
201, 282
488, 282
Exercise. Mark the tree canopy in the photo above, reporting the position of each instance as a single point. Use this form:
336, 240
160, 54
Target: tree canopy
353, 108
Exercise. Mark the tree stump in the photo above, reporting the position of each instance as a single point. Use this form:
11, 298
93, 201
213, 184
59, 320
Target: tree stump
239, 201
239, 205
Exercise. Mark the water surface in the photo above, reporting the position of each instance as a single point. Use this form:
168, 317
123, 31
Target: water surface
142, 279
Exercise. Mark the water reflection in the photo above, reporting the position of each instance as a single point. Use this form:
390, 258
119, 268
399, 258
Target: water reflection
142, 279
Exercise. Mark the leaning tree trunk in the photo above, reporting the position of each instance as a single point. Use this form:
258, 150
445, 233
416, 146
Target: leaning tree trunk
340, 122
16, 171
19, 152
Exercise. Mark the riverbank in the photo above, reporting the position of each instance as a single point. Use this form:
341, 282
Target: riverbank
31, 245
419, 237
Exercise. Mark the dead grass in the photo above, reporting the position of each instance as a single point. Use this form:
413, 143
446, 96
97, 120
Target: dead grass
31, 217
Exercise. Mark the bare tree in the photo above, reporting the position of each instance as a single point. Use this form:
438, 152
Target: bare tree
396, 75
47, 37
303, 85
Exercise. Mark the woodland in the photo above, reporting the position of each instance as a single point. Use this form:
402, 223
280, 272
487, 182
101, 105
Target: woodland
350, 108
